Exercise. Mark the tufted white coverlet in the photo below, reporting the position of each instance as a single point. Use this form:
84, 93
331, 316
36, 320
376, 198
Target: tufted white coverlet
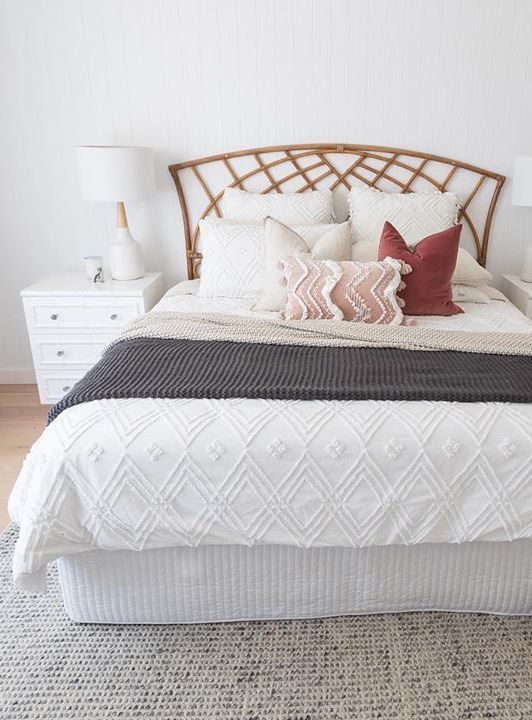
144, 473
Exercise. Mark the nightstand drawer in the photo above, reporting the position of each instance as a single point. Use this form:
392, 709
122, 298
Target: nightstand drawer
72, 314
53, 385
53, 351
71, 321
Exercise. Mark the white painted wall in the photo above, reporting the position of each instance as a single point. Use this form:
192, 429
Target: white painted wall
192, 77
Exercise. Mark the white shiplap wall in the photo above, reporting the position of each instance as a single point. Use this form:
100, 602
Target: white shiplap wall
191, 77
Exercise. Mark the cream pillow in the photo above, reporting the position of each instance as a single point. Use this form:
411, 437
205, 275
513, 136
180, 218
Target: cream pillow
414, 215
365, 251
307, 208
281, 242
469, 272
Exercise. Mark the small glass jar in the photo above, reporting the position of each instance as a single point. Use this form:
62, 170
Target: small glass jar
94, 268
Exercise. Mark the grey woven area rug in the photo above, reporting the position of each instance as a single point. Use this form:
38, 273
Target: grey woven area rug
401, 667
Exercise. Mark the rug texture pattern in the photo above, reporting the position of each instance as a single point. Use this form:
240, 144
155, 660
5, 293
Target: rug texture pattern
433, 666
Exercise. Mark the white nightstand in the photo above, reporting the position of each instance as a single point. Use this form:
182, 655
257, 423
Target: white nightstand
519, 292
70, 320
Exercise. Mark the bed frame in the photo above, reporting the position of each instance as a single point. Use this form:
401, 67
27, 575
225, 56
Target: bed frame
220, 583
337, 166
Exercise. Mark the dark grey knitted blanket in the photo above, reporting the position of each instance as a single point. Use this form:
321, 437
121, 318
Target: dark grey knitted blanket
170, 368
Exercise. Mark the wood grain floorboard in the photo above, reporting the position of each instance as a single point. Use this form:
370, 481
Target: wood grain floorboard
22, 420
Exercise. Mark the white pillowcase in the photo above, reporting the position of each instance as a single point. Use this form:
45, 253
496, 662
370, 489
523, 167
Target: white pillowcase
307, 208
414, 215
466, 293
281, 242
494, 294
233, 256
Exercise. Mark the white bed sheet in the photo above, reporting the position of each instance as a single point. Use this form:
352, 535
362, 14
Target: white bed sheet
139, 474
497, 316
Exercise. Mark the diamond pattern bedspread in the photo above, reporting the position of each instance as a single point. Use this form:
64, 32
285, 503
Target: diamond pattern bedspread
144, 473
155, 473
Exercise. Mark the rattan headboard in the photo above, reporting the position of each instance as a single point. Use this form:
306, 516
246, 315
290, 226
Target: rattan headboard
289, 168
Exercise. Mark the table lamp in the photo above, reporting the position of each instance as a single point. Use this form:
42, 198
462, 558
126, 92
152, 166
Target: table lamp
522, 195
118, 174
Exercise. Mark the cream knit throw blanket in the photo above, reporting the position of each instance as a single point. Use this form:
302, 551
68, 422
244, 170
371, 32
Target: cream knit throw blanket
321, 333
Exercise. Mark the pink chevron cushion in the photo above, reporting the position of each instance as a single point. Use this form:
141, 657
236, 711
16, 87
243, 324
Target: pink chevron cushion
353, 291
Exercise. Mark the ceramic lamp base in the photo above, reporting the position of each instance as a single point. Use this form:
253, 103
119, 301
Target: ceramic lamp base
125, 256
526, 268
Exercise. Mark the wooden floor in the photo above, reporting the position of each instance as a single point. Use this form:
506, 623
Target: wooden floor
22, 420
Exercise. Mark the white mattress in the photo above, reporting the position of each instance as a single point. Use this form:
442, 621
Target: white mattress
226, 583
147, 474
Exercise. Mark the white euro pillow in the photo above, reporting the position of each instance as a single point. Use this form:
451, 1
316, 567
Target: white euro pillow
307, 208
281, 241
232, 262
414, 215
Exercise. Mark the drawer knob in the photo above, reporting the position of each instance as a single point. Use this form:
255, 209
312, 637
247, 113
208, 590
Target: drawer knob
60, 353
66, 388
54, 316
114, 316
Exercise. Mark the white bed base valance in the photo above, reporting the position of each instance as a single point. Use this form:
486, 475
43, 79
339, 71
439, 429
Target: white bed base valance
214, 583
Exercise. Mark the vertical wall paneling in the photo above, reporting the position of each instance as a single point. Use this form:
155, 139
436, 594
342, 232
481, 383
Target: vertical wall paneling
191, 77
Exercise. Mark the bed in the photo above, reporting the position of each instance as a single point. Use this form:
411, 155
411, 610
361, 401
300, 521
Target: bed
203, 509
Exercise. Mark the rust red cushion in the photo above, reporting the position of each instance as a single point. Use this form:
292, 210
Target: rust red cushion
427, 288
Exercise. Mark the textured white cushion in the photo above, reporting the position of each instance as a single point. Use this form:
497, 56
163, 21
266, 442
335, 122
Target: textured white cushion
281, 241
292, 208
234, 263
233, 259
414, 215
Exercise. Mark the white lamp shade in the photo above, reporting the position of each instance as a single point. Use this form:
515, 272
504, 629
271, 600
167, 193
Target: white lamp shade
113, 173
522, 181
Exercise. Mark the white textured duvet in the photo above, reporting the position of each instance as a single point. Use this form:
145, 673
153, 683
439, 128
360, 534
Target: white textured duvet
160, 473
